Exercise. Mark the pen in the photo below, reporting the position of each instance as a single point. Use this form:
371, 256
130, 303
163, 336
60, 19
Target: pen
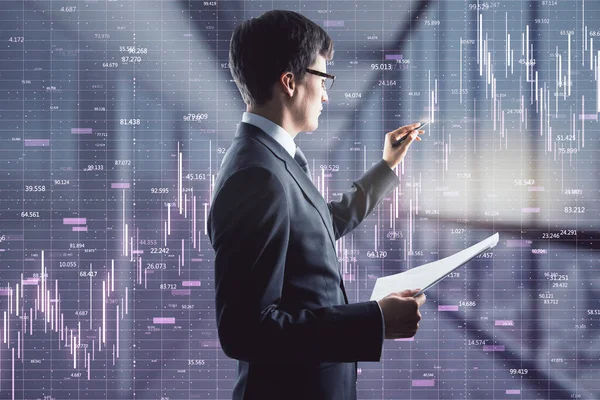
403, 138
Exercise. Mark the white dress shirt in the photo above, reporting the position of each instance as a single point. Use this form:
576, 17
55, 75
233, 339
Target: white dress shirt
272, 129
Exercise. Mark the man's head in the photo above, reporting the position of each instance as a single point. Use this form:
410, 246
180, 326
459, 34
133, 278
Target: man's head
268, 58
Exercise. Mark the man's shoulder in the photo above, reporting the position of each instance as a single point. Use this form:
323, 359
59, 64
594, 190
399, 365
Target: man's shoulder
247, 156
247, 151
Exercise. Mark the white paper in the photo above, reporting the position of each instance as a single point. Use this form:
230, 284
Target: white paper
429, 274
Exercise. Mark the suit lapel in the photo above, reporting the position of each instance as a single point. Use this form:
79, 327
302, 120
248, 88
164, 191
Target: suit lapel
292, 167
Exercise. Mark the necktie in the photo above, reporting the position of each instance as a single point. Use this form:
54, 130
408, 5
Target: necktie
302, 161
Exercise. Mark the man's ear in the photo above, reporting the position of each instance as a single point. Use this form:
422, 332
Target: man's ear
288, 83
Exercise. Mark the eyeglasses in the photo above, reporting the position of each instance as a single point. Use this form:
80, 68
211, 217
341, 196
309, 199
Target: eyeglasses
327, 83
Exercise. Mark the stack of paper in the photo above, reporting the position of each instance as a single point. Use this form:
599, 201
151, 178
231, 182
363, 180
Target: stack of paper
427, 275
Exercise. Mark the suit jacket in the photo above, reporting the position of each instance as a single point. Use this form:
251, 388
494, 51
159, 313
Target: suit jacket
281, 306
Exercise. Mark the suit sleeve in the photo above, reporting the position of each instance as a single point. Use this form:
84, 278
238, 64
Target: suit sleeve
364, 195
249, 230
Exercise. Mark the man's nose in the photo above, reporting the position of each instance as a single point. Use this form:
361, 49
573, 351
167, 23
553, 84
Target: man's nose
324, 96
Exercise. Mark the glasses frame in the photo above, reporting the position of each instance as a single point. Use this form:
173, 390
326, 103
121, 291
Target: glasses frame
323, 74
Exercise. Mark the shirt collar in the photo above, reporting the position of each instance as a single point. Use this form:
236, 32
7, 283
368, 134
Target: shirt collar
272, 129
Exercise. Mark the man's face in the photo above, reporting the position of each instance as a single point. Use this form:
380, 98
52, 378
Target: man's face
310, 96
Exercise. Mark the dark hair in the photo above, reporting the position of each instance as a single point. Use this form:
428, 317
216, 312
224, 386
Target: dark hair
263, 48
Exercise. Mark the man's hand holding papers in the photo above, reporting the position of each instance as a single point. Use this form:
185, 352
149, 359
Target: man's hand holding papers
401, 313
400, 307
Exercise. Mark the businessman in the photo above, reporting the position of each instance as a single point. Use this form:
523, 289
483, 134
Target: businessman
281, 306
